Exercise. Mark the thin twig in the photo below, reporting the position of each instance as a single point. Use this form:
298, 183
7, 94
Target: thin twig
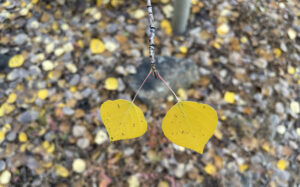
141, 86
152, 36
165, 82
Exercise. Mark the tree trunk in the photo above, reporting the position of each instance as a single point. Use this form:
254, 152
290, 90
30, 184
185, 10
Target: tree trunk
180, 16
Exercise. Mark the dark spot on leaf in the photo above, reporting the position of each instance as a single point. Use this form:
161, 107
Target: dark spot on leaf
123, 134
175, 116
118, 106
204, 107
182, 131
133, 124
111, 138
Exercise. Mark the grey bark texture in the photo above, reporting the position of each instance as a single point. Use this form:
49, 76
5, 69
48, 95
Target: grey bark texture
180, 16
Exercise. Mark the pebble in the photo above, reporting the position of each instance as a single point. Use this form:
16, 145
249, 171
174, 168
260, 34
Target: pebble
79, 165
86, 92
133, 181
48, 65
261, 63
83, 143
11, 136
111, 46
179, 171
21, 38
292, 33
5, 177
68, 111
101, 137
295, 107
28, 116
78, 130
59, 51
279, 108
139, 13
50, 48
71, 67
75, 80
281, 129
2, 165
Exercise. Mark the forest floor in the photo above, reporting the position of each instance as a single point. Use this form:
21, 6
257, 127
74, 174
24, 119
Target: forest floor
56, 56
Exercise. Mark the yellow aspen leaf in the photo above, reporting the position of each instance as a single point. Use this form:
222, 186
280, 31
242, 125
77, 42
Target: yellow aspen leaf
166, 26
223, 117
122, 119
73, 89
277, 52
43, 94
190, 124
51, 148
34, 1
243, 167
281, 164
182, 94
111, 83
291, 70
6, 127
46, 144
16, 61
22, 137
223, 29
47, 165
12, 98
62, 171
6, 109
183, 49
98, 2
97, 46
210, 169
2, 136
23, 147
266, 147
229, 97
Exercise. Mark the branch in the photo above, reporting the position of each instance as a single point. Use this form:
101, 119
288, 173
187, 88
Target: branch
151, 39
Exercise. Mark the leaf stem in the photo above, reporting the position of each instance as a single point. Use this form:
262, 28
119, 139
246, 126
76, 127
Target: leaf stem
141, 85
166, 84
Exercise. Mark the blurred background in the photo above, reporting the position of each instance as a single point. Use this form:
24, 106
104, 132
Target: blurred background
60, 60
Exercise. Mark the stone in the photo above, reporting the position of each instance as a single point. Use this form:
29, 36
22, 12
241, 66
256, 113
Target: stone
78, 130
83, 143
28, 116
2, 165
179, 73
101, 137
79, 165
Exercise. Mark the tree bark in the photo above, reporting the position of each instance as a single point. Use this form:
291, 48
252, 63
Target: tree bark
180, 16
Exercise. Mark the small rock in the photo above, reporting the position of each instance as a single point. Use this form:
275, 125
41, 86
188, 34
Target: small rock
83, 143
59, 51
71, 67
279, 108
261, 63
133, 181
28, 116
50, 48
78, 165
281, 129
21, 38
78, 130
5, 177
179, 171
295, 107
101, 137
292, 33
48, 65
11, 136
68, 111
75, 80
2, 165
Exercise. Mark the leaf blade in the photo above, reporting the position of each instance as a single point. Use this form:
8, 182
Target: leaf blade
122, 119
